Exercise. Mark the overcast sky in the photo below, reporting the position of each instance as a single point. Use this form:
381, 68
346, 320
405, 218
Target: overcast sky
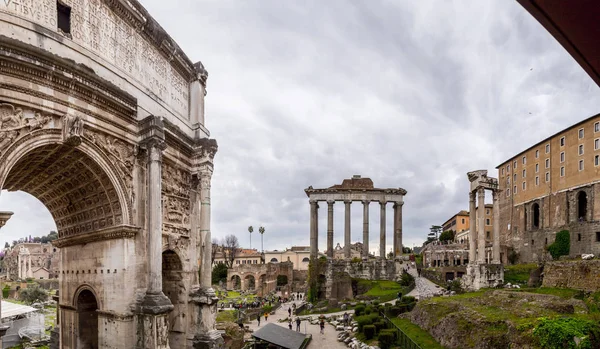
412, 94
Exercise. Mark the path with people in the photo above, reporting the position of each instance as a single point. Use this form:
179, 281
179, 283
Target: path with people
328, 340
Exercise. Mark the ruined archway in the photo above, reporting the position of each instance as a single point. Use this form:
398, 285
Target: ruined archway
535, 208
250, 282
236, 282
87, 320
582, 206
174, 288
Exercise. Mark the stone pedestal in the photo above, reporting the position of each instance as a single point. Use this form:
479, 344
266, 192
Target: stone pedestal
204, 303
481, 275
153, 322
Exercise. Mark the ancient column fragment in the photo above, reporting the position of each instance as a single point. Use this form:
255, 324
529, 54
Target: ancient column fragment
382, 229
330, 228
205, 234
398, 230
19, 271
496, 229
481, 225
347, 240
365, 251
314, 229
472, 228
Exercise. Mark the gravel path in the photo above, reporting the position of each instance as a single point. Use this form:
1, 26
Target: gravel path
423, 287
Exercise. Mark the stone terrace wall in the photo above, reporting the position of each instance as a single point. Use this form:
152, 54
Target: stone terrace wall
580, 275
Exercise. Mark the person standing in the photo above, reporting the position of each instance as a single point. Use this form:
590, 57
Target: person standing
266, 316
322, 325
258, 319
297, 324
290, 311
290, 324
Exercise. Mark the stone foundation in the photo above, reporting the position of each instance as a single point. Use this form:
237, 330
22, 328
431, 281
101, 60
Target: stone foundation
483, 276
580, 275
339, 275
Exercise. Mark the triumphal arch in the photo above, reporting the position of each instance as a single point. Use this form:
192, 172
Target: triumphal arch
102, 120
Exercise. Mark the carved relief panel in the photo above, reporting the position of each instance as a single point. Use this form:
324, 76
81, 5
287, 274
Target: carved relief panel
176, 185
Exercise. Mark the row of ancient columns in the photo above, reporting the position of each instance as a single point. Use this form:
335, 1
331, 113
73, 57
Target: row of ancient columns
24, 266
477, 227
314, 228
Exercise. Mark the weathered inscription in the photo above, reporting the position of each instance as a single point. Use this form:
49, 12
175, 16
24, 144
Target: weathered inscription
96, 27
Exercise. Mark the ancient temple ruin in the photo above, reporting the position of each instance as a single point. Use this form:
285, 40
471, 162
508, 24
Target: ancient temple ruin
483, 271
104, 124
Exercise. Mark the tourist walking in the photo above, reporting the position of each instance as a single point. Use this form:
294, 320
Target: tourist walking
258, 319
290, 311
346, 318
322, 325
290, 324
297, 324
266, 316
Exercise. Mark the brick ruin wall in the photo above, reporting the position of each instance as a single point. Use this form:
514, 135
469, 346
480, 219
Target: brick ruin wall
580, 275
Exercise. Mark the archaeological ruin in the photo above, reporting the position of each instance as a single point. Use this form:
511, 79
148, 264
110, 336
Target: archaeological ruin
484, 269
331, 279
102, 120
32, 260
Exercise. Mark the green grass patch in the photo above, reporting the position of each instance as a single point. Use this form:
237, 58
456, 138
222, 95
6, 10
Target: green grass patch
227, 316
564, 293
418, 335
383, 290
519, 273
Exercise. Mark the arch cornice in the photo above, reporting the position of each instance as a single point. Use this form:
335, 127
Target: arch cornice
53, 136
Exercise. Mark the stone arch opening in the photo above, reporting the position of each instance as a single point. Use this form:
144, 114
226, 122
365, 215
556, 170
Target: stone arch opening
76, 189
174, 289
87, 320
535, 208
250, 282
582, 206
305, 260
236, 282
273, 260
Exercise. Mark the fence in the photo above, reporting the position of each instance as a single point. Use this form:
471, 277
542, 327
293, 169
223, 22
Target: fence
402, 339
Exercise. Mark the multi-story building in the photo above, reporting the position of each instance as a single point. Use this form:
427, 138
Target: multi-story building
242, 256
298, 255
459, 223
551, 186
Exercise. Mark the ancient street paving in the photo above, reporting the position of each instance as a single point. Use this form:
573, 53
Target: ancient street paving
321, 341
423, 287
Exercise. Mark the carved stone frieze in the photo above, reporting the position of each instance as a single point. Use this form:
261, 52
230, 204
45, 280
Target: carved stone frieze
72, 129
119, 232
176, 185
14, 123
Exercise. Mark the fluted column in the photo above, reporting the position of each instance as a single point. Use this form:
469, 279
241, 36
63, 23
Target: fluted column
205, 234
347, 241
382, 229
19, 270
29, 274
398, 230
330, 228
496, 229
365, 252
472, 228
481, 225
314, 229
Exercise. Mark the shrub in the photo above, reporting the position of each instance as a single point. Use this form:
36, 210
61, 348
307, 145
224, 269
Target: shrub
5, 291
379, 325
359, 310
407, 299
31, 295
386, 339
406, 279
561, 333
369, 331
561, 246
368, 310
267, 309
365, 320
394, 311
455, 285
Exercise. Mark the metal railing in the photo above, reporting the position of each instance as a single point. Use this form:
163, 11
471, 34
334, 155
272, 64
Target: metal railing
402, 339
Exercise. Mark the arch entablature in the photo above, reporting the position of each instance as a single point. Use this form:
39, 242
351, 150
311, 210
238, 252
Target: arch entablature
79, 183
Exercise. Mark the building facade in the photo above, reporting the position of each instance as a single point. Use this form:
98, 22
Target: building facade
459, 223
552, 186
25, 259
299, 256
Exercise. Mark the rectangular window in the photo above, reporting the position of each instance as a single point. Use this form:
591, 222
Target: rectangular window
578, 237
562, 141
581, 149
515, 177
524, 160
487, 221
596, 143
547, 176
562, 171
514, 189
580, 133
547, 148
547, 163
63, 17
508, 168
537, 168
524, 173
537, 154
515, 165
537, 180
596, 160
508, 192
598, 236
503, 171
580, 165
562, 156
596, 126
523, 186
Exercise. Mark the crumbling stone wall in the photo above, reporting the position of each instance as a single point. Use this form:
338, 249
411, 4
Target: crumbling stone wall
339, 275
580, 274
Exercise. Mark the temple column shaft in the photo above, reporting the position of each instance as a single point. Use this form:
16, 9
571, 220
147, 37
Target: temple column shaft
330, 228
205, 234
347, 240
19, 266
382, 229
365, 251
29, 266
398, 230
472, 228
481, 225
496, 229
314, 230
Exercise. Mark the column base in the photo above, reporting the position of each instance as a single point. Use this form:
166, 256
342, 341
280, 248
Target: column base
210, 340
155, 303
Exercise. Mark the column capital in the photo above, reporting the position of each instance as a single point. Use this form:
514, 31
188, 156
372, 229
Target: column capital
313, 202
472, 195
366, 202
347, 202
398, 203
330, 202
480, 191
383, 203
